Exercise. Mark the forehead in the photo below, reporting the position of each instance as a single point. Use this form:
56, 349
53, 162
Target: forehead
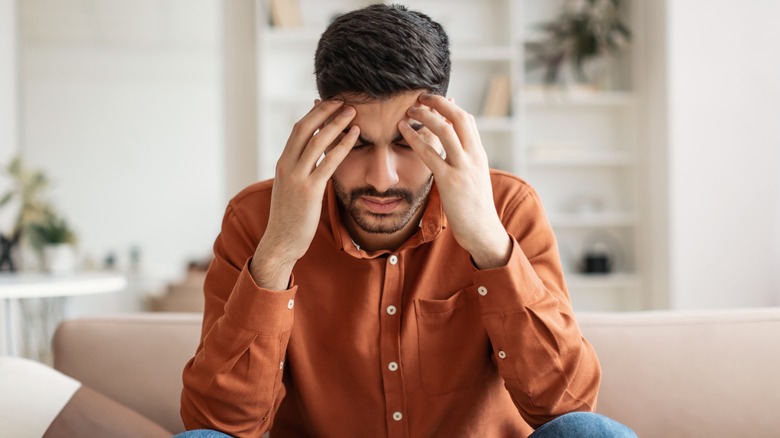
378, 119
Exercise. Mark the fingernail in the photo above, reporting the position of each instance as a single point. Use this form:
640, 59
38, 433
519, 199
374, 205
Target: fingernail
348, 111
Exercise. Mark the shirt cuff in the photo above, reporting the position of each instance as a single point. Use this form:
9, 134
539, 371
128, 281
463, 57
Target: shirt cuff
260, 310
509, 288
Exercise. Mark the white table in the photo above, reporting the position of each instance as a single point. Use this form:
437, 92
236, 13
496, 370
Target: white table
18, 286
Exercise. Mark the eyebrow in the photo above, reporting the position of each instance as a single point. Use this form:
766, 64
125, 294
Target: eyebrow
398, 138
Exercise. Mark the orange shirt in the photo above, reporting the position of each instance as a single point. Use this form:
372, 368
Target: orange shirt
411, 343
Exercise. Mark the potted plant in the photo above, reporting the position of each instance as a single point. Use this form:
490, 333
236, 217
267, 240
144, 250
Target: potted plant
34, 221
585, 31
55, 240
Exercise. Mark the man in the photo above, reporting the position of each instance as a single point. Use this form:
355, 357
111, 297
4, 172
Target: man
398, 287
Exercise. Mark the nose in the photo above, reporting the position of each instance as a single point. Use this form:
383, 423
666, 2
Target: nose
381, 172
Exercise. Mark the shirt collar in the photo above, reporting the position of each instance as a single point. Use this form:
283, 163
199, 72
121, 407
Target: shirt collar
431, 225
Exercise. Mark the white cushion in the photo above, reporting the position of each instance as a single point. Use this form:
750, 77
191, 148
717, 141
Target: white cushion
31, 396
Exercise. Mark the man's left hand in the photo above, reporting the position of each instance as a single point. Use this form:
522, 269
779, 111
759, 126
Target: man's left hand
462, 177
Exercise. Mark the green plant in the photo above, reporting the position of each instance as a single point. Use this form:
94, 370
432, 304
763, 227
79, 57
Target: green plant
585, 30
51, 230
36, 219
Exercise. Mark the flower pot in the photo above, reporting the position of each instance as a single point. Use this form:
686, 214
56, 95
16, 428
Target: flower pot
59, 259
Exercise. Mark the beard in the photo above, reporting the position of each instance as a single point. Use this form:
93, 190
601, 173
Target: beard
382, 223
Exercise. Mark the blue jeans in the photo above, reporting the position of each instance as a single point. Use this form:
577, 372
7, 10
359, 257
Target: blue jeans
583, 425
201, 433
571, 425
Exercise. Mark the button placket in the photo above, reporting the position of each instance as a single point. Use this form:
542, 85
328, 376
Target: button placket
390, 354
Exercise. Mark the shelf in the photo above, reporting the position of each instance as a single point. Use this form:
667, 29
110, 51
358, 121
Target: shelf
593, 220
541, 98
601, 160
275, 35
601, 281
482, 53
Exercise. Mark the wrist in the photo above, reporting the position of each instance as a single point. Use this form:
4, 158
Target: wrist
271, 268
492, 252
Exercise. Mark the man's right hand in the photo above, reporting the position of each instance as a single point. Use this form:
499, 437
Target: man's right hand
299, 187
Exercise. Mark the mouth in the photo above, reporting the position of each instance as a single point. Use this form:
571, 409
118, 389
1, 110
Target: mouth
381, 205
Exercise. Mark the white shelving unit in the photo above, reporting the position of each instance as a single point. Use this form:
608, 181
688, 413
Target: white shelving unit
578, 148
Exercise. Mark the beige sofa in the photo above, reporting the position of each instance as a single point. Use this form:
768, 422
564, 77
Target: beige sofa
665, 374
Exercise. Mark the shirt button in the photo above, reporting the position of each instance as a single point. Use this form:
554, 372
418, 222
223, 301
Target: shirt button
502, 354
290, 304
391, 310
397, 416
393, 259
392, 366
482, 290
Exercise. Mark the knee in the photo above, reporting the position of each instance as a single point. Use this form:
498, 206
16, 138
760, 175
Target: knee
583, 425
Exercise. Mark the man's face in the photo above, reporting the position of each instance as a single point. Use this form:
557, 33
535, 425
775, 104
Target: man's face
382, 184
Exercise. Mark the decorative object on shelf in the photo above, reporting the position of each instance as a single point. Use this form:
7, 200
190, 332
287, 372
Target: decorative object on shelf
8, 247
587, 31
600, 254
597, 260
35, 220
285, 13
498, 96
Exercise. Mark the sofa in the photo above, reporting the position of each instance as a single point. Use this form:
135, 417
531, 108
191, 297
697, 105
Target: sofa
712, 373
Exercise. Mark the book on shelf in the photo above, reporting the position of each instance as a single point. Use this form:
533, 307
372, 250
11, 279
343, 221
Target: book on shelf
286, 14
498, 96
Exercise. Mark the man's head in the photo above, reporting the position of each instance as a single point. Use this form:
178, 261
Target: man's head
379, 59
380, 51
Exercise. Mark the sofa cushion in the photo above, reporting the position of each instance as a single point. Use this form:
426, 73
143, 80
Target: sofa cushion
91, 414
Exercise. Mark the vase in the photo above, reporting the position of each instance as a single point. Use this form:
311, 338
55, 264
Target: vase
59, 259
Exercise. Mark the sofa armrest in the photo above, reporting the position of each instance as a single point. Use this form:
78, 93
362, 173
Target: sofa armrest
135, 359
689, 373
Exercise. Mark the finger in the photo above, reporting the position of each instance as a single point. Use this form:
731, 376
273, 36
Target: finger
336, 155
440, 128
325, 137
303, 130
462, 121
423, 149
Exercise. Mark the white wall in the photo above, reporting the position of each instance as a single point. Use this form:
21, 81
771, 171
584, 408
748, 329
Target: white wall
8, 108
8, 73
724, 133
129, 128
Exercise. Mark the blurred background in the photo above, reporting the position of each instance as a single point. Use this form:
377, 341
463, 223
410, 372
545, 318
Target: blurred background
650, 129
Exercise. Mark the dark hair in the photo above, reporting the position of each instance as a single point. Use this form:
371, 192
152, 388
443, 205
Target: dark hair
380, 51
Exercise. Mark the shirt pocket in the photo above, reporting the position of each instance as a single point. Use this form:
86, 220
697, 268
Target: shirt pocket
454, 349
